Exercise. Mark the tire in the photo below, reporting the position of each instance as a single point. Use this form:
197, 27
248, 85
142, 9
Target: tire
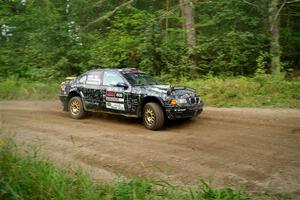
153, 116
76, 108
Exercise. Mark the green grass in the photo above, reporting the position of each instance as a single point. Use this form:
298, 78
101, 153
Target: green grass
260, 91
21, 89
26, 176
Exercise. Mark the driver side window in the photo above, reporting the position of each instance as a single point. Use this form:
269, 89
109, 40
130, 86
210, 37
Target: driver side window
111, 78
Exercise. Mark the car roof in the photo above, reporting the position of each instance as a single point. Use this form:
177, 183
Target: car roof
112, 69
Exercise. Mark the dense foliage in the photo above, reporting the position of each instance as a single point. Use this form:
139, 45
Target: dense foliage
47, 39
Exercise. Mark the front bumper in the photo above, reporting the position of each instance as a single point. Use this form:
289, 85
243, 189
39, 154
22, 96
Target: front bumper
180, 112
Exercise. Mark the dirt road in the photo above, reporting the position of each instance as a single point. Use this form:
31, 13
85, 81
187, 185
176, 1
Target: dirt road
258, 149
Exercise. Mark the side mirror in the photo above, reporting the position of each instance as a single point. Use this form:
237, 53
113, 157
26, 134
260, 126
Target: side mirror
123, 85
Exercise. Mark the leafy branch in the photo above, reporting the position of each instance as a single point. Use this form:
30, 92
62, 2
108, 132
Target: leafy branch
108, 15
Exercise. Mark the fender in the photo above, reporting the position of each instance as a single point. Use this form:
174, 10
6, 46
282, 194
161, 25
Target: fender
74, 92
147, 99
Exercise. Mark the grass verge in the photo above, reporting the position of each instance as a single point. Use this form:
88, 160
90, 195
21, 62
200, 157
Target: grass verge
259, 91
29, 177
21, 89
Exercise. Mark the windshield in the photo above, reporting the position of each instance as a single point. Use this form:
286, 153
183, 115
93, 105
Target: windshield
136, 79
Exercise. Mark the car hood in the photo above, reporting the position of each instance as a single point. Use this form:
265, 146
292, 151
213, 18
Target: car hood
157, 88
167, 90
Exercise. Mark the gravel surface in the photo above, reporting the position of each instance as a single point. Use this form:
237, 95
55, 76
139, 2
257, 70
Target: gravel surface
258, 149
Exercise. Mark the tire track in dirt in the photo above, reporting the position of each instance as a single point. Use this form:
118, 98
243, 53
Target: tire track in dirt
256, 148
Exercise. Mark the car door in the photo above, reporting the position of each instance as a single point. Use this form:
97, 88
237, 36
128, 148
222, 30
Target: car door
91, 91
114, 97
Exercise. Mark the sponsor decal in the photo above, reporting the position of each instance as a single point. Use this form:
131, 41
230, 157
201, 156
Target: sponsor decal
114, 89
114, 99
119, 95
95, 72
110, 94
93, 79
114, 96
115, 106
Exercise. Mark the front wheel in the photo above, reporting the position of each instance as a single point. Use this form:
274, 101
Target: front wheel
153, 116
76, 108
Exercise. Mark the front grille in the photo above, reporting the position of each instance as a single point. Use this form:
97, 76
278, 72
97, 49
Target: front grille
193, 100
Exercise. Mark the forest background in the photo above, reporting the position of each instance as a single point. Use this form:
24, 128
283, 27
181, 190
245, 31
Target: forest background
243, 53
235, 53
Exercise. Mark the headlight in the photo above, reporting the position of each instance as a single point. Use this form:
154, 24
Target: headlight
178, 101
181, 101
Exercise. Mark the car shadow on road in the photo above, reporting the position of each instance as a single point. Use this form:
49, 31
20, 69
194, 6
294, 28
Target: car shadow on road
114, 118
180, 123
138, 122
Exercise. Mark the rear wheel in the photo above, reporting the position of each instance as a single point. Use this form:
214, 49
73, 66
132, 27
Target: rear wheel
153, 116
76, 108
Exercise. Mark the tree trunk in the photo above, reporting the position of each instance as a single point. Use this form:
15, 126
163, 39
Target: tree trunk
274, 21
188, 14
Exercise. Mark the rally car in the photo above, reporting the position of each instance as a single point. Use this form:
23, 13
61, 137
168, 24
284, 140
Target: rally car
129, 92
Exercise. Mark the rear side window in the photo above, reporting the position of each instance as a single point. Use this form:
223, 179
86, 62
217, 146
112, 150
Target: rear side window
82, 80
111, 78
93, 79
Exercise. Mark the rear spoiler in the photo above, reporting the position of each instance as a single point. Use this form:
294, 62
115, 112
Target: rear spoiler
70, 78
